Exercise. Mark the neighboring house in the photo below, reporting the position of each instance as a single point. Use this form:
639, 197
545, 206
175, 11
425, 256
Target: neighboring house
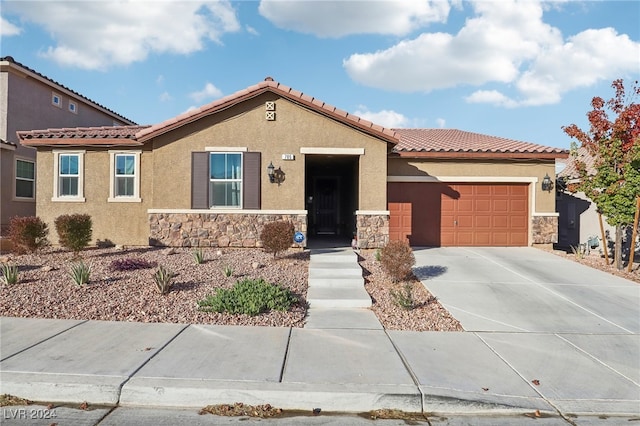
578, 220
215, 175
29, 100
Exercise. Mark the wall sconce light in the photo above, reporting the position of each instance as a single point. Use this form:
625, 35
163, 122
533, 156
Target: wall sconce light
547, 183
275, 175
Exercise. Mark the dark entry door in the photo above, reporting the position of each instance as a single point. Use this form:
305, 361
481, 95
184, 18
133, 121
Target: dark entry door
326, 200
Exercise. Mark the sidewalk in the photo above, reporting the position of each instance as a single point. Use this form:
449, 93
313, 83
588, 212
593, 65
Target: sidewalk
170, 365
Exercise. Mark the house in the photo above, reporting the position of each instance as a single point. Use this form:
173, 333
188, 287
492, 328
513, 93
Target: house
215, 175
29, 100
578, 221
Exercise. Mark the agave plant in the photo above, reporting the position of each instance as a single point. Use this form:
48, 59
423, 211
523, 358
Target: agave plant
9, 273
198, 256
163, 279
80, 272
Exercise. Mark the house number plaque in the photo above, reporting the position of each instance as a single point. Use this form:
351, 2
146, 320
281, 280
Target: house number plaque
288, 157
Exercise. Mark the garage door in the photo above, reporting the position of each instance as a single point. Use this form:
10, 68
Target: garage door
440, 214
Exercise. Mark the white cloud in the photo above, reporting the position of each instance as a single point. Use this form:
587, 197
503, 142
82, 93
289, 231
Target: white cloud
252, 30
505, 42
165, 97
340, 18
8, 29
160, 80
101, 34
441, 122
384, 118
209, 92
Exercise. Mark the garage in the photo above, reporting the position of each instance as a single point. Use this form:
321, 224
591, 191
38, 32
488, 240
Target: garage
459, 214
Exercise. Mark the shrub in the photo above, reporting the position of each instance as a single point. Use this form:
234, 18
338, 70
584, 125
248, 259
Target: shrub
403, 298
198, 256
80, 273
397, 259
74, 231
28, 234
131, 264
277, 237
227, 271
9, 273
163, 279
250, 297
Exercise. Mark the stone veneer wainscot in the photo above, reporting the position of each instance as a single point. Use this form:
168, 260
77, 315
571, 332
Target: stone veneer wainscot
545, 229
372, 228
195, 228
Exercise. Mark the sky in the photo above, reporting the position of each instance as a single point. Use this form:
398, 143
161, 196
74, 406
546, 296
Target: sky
514, 69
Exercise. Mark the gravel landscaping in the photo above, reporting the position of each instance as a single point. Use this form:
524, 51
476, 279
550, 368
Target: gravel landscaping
45, 289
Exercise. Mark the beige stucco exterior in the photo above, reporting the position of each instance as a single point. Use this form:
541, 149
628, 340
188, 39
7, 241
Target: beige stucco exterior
118, 222
482, 171
245, 126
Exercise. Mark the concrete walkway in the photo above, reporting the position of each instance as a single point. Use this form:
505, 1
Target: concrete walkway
336, 294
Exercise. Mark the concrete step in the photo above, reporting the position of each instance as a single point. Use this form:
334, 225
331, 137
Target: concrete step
338, 297
336, 318
351, 282
335, 272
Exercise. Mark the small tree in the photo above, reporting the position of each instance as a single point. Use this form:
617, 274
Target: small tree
615, 145
277, 237
74, 231
28, 234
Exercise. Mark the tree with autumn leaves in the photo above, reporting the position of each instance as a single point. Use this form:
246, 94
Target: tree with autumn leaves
613, 140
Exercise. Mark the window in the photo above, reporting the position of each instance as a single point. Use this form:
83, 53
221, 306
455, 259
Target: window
73, 107
68, 176
225, 179
56, 100
124, 176
25, 179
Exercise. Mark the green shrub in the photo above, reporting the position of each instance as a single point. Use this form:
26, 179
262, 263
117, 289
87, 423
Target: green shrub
80, 273
403, 298
378, 255
277, 237
250, 297
9, 273
397, 259
198, 256
74, 231
163, 279
28, 234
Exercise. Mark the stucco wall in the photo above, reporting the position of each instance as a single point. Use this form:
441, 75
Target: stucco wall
535, 170
245, 126
120, 222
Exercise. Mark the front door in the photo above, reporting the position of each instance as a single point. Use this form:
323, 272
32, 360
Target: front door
326, 202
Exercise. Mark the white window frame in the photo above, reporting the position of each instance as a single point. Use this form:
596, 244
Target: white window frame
15, 179
73, 107
240, 180
113, 198
55, 96
79, 198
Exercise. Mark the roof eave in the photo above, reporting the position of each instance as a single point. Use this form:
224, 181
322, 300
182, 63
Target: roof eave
79, 143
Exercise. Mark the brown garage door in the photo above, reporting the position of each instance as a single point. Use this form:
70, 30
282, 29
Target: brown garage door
439, 214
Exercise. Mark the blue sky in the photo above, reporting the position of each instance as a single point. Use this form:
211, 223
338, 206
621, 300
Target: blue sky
515, 69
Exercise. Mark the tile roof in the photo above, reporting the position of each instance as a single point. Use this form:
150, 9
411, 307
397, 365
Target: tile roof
26, 68
444, 143
269, 85
82, 136
8, 144
571, 171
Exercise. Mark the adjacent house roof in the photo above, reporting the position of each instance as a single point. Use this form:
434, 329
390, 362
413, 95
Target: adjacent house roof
570, 171
452, 143
8, 61
82, 136
7, 145
434, 143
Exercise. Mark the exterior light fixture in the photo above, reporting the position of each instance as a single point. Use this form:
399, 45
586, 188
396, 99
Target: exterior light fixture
547, 183
270, 172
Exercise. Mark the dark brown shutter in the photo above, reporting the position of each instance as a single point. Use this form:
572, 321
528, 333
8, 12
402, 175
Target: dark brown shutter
251, 180
199, 180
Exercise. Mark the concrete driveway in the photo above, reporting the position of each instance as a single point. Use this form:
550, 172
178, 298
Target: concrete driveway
524, 289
